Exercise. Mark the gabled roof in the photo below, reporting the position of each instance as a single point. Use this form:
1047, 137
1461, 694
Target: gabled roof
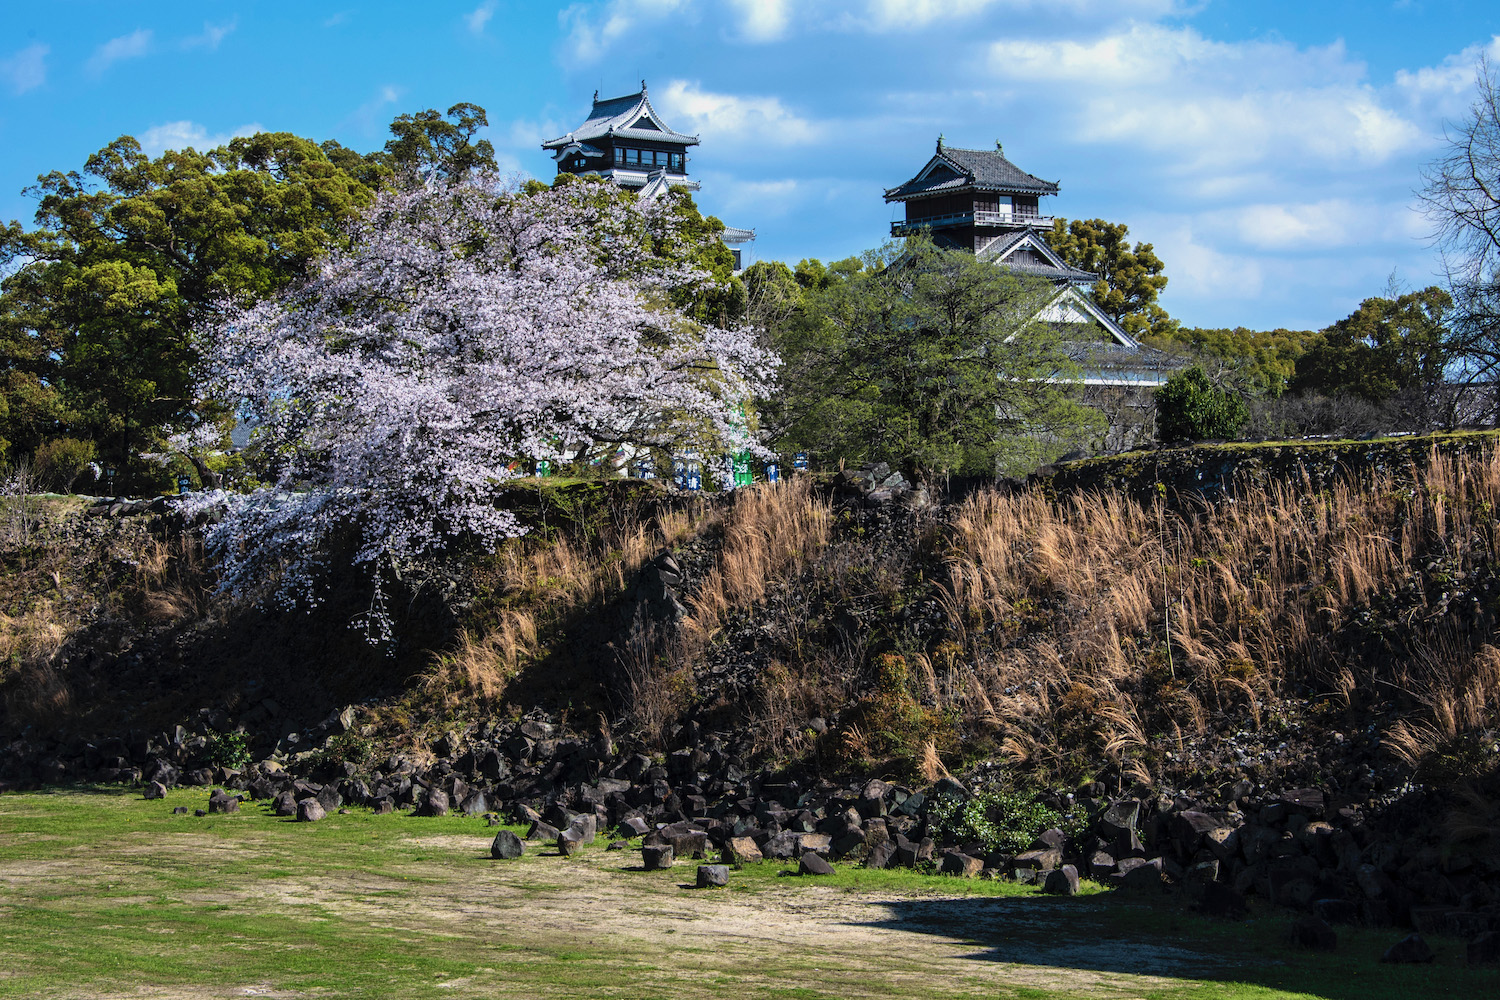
1085, 302
628, 117
952, 169
1004, 251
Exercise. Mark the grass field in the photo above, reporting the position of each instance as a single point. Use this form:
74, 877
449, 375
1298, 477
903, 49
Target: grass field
103, 894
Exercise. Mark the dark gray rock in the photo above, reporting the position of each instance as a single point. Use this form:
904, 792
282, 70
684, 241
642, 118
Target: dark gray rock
1313, 933
1410, 950
570, 842
881, 855
154, 790
435, 803
542, 831
222, 802
285, 804
656, 857
1220, 900
1062, 881
960, 864
310, 810
713, 876
506, 846
813, 864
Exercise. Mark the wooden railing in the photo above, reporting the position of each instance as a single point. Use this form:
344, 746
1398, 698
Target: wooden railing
978, 218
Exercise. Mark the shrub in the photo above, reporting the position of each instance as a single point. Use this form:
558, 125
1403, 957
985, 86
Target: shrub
231, 750
60, 461
1190, 408
1004, 821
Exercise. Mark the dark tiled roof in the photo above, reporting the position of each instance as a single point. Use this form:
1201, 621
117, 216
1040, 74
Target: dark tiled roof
1062, 271
981, 169
616, 116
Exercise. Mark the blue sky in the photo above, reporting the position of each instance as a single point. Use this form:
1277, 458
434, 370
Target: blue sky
1268, 150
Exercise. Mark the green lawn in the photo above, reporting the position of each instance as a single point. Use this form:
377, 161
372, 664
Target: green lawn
103, 894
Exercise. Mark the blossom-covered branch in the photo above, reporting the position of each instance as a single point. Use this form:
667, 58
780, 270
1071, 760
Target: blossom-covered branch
468, 331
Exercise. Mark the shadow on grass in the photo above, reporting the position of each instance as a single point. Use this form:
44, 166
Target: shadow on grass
1112, 933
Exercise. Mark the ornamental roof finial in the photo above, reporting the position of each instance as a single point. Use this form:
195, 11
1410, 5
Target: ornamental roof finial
596, 96
999, 148
940, 142
643, 86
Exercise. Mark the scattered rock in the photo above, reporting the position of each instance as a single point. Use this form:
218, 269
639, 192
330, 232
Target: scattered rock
506, 846
1313, 933
1410, 950
155, 790
742, 850
1062, 881
713, 876
813, 864
960, 864
542, 831
657, 856
310, 810
222, 802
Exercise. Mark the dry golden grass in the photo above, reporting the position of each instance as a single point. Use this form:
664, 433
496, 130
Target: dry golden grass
769, 533
538, 581
1217, 608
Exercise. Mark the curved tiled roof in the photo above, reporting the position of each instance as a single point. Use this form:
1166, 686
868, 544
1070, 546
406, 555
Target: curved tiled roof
980, 169
618, 116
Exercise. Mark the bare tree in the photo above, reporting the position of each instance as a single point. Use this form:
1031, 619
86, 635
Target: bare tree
1461, 195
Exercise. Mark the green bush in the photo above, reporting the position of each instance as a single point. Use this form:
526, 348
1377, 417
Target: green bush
1191, 408
1004, 821
231, 750
60, 461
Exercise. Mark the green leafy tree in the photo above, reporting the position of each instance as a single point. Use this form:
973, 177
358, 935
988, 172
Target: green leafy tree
426, 144
1266, 360
675, 235
924, 358
1384, 347
1130, 279
133, 252
1191, 408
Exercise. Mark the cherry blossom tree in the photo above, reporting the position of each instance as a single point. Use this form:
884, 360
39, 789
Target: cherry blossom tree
468, 331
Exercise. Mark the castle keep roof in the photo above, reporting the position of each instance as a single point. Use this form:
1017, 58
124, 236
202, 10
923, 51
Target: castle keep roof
951, 170
628, 117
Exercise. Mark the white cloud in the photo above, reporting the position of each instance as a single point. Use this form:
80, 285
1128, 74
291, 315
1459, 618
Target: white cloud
367, 117
180, 135
1215, 105
1198, 271
759, 199
1445, 90
27, 69
212, 35
131, 46
763, 20
731, 119
592, 30
904, 15
477, 18
1331, 223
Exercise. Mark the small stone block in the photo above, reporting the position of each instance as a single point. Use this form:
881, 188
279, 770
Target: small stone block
657, 857
1062, 881
506, 846
813, 864
713, 876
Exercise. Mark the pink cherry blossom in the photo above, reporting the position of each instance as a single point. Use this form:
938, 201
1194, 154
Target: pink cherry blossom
468, 331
